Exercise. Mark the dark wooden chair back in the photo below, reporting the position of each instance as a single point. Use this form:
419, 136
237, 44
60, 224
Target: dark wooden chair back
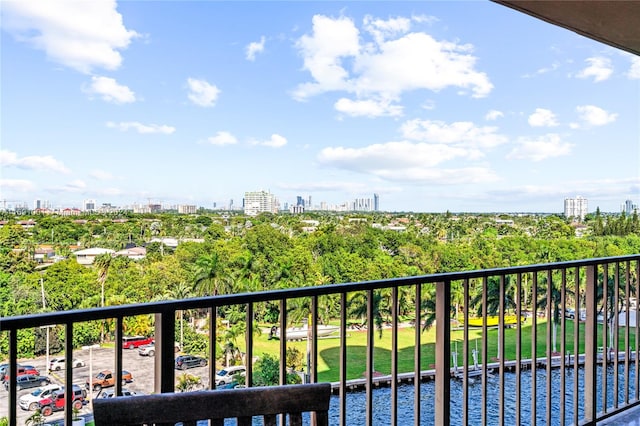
218, 405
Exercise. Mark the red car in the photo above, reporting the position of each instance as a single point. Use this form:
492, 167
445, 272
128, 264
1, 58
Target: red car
22, 370
56, 402
132, 342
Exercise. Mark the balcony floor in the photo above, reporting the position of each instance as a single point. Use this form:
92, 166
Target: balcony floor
629, 418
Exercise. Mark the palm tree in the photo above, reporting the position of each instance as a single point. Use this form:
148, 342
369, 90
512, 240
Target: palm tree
556, 300
208, 274
102, 264
181, 291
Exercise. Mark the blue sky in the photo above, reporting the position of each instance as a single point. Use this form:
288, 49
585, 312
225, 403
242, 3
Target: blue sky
457, 105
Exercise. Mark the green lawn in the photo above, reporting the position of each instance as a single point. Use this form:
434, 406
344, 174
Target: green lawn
329, 350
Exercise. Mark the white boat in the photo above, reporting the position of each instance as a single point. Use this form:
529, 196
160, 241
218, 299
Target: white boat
302, 333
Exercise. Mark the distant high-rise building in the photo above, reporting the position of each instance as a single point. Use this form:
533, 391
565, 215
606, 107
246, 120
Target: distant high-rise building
309, 203
186, 209
257, 202
231, 204
89, 205
575, 207
41, 204
629, 207
299, 201
376, 202
362, 204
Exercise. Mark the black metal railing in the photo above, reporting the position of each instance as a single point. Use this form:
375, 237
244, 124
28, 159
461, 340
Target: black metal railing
565, 337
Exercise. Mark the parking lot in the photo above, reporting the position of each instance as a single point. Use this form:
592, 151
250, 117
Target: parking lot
141, 368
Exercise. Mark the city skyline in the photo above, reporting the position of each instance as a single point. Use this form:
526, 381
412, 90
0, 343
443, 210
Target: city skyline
195, 103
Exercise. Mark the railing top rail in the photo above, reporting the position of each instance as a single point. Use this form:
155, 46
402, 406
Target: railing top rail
50, 318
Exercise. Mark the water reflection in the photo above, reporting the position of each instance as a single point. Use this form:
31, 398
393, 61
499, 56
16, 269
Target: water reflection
356, 401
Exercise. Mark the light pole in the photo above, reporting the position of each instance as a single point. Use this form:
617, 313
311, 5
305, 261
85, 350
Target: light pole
91, 348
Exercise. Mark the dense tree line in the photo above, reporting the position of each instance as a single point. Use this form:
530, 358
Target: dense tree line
237, 254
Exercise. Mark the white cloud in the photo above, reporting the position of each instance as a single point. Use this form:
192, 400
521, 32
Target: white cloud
101, 175
110, 91
493, 115
539, 149
367, 108
599, 68
276, 141
395, 61
461, 133
222, 138
202, 93
406, 161
82, 35
542, 118
381, 29
17, 185
332, 39
141, 128
634, 70
33, 162
254, 48
594, 116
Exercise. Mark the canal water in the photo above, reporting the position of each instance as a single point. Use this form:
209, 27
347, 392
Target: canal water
356, 401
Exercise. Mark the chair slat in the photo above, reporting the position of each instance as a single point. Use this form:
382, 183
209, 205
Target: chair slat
216, 405
270, 420
295, 419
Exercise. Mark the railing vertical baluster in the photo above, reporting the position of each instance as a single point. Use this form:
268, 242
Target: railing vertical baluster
534, 345
165, 323
394, 356
13, 373
576, 346
605, 333
549, 353
501, 331
614, 326
443, 353
465, 354
68, 376
627, 336
343, 359
518, 389
118, 356
590, 346
563, 342
248, 363
370, 353
485, 352
213, 343
637, 332
283, 340
417, 400
313, 368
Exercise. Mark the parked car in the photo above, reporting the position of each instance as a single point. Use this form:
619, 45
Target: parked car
147, 350
3, 369
56, 401
110, 393
132, 342
22, 370
30, 400
189, 361
57, 364
27, 381
570, 313
227, 375
106, 378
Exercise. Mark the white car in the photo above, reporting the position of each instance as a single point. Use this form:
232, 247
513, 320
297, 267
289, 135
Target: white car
57, 364
226, 375
30, 400
110, 393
